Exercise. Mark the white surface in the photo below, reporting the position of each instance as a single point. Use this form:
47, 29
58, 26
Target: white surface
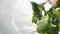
47, 6
15, 17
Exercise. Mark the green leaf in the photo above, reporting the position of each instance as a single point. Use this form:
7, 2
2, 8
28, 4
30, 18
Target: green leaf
34, 19
57, 15
41, 6
59, 26
54, 11
36, 12
53, 30
52, 25
44, 32
42, 25
50, 12
58, 4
